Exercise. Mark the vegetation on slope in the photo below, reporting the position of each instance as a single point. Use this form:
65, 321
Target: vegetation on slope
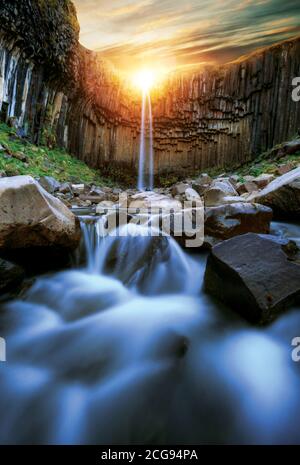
19, 157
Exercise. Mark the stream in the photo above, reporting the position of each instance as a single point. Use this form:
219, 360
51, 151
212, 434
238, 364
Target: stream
126, 348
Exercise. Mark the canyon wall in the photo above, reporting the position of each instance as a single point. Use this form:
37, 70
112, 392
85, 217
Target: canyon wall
225, 116
57, 92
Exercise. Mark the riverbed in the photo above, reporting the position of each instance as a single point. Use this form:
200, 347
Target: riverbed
126, 348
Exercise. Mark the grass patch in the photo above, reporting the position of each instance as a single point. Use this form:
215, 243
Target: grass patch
42, 161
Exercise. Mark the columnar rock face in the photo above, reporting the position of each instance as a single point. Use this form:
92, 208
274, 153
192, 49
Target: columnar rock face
225, 116
58, 92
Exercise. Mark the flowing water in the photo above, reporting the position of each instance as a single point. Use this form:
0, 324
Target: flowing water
127, 349
146, 163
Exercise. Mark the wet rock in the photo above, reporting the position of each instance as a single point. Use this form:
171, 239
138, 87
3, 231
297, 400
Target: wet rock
263, 180
250, 187
284, 168
191, 194
249, 178
11, 275
203, 179
216, 193
201, 183
31, 217
105, 205
65, 188
179, 189
234, 179
93, 198
288, 148
254, 276
50, 184
78, 189
282, 195
154, 202
96, 191
226, 221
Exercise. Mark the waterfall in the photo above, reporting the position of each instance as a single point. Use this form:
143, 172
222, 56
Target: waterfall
146, 263
151, 160
141, 186
148, 183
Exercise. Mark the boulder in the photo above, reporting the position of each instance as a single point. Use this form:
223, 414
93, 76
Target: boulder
288, 148
224, 185
284, 168
78, 189
203, 179
93, 199
263, 180
215, 195
282, 195
227, 221
254, 276
153, 201
191, 194
65, 188
50, 184
234, 179
31, 217
96, 191
179, 189
104, 206
241, 189
250, 187
10, 275
219, 189
201, 183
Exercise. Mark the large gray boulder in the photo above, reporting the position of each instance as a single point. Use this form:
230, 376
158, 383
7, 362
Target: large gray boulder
30, 217
218, 191
153, 202
282, 195
254, 276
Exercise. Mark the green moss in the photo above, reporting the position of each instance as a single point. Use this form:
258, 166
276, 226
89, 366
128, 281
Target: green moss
44, 161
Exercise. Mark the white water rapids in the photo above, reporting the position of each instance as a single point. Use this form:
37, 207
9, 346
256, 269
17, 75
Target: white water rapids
129, 350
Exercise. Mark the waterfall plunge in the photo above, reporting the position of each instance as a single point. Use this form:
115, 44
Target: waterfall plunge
146, 178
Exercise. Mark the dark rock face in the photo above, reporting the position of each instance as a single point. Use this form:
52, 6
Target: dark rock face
282, 195
60, 93
10, 275
46, 32
227, 221
254, 276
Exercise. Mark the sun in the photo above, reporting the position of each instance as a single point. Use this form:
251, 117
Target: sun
144, 79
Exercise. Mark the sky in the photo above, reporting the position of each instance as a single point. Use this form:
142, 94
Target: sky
181, 34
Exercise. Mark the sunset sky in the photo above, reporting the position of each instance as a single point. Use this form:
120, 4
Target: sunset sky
179, 33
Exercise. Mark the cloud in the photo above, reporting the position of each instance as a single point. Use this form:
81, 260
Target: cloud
182, 33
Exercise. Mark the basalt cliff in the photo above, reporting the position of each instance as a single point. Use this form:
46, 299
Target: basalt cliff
57, 92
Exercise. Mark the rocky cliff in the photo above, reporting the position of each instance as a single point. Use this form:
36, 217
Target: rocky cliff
225, 116
57, 92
